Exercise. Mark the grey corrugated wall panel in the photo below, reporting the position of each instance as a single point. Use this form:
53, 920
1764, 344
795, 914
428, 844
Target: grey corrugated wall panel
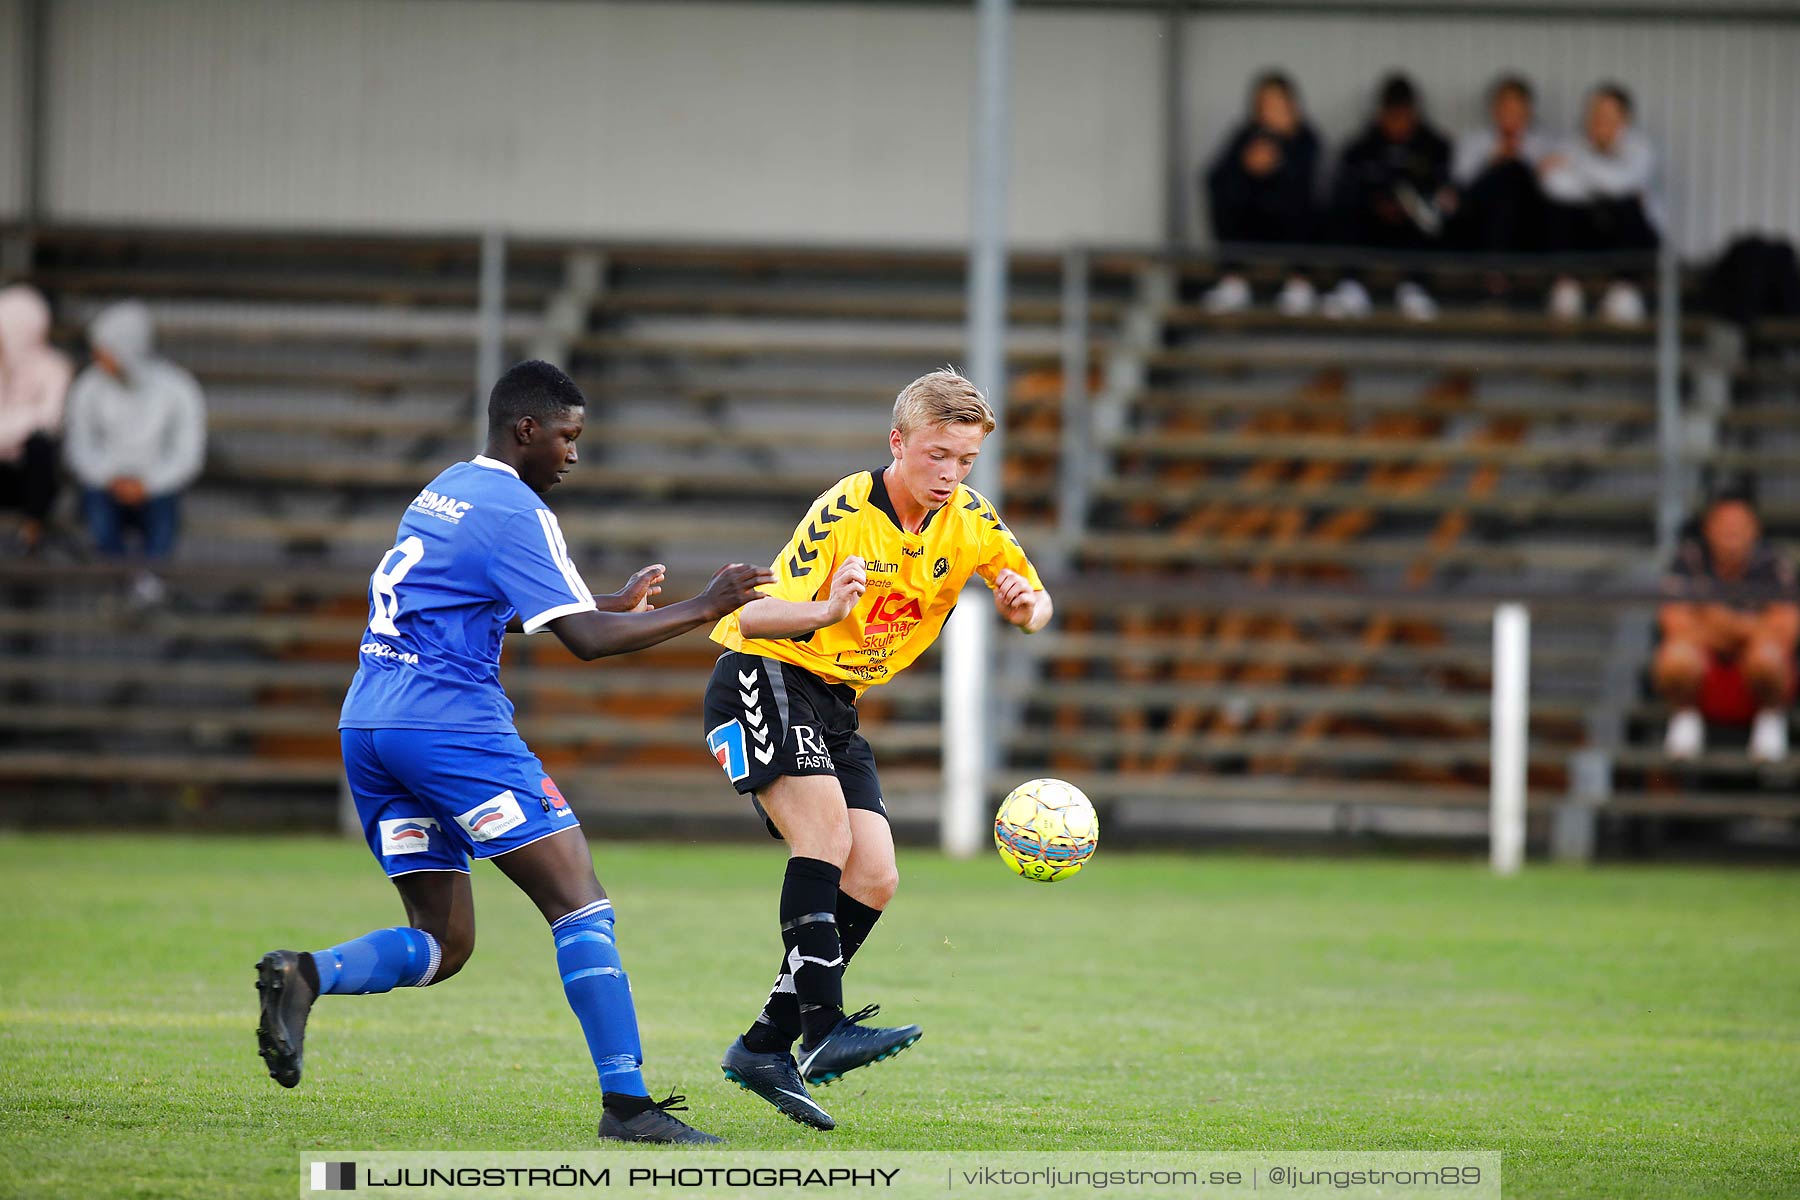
802, 121
1721, 101
786, 121
12, 109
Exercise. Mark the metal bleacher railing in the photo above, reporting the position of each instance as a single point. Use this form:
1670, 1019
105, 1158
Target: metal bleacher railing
1277, 545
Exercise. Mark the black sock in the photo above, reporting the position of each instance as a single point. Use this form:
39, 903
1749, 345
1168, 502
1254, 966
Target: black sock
624, 1106
779, 1024
815, 957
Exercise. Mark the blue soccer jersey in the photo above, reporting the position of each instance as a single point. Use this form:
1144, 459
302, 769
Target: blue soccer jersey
475, 547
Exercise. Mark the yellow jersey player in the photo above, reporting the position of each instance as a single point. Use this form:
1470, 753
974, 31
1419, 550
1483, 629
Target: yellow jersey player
861, 590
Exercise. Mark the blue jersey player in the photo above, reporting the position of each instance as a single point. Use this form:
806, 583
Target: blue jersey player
438, 772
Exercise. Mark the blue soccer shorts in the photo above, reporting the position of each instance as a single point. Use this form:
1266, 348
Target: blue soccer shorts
428, 800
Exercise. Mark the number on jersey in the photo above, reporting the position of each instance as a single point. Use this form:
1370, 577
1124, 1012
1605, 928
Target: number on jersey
386, 579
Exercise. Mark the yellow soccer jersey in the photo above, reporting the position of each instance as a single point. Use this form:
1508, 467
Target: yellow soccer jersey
914, 578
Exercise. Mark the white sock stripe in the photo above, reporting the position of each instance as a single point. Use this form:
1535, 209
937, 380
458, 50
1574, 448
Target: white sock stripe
589, 910
431, 968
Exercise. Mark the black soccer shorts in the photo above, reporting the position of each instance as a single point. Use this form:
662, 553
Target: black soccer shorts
766, 718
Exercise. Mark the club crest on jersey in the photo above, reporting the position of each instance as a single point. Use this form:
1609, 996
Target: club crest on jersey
940, 568
727, 745
407, 835
490, 819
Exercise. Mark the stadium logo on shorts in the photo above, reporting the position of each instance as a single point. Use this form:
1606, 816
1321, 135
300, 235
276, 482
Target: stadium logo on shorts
485, 822
407, 835
333, 1177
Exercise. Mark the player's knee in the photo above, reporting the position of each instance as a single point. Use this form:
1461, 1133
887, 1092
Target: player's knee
456, 947
1679, 667
876, 887
1766, 666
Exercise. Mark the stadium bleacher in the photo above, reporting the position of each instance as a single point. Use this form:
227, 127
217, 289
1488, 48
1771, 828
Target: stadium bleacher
1312, 516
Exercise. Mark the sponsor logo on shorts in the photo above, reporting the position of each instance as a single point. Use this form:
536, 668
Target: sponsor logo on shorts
554, 804
810, 751
407, 835
728, 746
489, 820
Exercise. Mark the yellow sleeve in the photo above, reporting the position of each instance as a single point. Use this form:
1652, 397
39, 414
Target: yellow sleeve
1000, 550
803, 568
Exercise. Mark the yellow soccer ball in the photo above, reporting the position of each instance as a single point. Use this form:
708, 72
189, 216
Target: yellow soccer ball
1046, 830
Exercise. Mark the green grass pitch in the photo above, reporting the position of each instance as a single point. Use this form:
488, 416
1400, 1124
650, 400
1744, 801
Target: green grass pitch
1614, 1032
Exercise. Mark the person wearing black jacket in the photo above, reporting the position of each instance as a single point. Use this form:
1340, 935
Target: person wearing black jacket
1260, 186
1390, 193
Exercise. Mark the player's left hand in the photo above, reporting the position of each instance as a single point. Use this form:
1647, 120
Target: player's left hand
647, 582
1014, 598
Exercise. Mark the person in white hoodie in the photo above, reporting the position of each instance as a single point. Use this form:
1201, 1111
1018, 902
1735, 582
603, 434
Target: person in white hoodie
1602, 199
34, 379
136, 434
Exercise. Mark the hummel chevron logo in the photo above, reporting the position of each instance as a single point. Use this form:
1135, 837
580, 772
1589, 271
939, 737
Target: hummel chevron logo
974, 505
806, 555
826, 517
795, 569
759, 733
844, 506
747, 679
812, 533
764, 754
750, 699
754, 716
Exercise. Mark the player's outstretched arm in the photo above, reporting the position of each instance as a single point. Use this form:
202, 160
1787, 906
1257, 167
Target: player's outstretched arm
1019, 604
773, 617
591, 635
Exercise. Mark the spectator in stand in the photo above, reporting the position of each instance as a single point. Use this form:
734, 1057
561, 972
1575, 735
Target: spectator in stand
1261, 190
136, 438
1499, 203
34, 380
1391, 188
1727, 661
1601, 199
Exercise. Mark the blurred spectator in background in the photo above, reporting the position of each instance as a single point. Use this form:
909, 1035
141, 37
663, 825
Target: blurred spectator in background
1391, 184
1728, 662
1261, 190
34, 380
136, 437
1499, 203
1599, 186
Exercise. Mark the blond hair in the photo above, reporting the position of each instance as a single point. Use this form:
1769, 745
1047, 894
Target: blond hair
941, 398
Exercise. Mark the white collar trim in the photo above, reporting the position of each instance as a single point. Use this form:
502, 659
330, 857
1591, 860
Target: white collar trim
493, 464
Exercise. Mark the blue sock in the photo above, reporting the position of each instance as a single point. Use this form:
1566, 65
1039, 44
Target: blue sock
378, 962
594, 980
